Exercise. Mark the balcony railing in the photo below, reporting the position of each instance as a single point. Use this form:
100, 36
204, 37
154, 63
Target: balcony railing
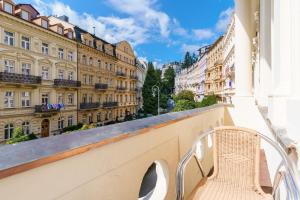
121, 88
86, 106
49, 108
121, 74
110, 104
133, 77
19, 78
66, 83
101, 86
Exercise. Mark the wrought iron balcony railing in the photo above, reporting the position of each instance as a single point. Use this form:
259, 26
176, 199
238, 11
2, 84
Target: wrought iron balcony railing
121, 74
121, 88
85, 106
110, 104
19, 78
66, 83
101, 86
133, 77
49, 108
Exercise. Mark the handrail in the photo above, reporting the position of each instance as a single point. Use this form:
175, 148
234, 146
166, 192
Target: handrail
291, 177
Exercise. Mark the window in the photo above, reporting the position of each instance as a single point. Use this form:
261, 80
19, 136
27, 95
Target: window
60, 98
24, 15
61, 74
90, 43
84, 59
8, 131
44, 23
70, 121
9, 38
90, 117
84, 79
99, 64
45, 49
8, 7
90, 99
91, 61
25, 99
70, 56
70, 76
99, 117
60, 123
90, 79
60, 30
9, 66
45, 73
9, 100
25, 44
26, 127
70, 35
60, 53
70, 99
26, 68
84, 98
45, 99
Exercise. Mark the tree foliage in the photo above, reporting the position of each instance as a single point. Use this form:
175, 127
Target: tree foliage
185, 95
188, 60
183, 104
207, 101
152, 78
19, 136
168, 83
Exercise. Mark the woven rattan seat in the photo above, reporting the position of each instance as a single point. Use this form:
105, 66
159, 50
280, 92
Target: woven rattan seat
236, 167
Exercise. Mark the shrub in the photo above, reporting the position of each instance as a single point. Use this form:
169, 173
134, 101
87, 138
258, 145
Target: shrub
207, 101
185, 95
19, 136
72, 128
182, 105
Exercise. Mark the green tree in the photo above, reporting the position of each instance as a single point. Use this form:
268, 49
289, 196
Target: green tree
182, 105
152, 78
185, 95
168, 83
207, 101
194, 58
188, 60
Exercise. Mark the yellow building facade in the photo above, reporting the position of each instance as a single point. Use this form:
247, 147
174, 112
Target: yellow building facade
38, 73
214, 80
54, 75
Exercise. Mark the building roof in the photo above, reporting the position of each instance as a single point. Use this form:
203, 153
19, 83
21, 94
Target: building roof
27, 4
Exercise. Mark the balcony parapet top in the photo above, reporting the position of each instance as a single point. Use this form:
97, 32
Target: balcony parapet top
21, 157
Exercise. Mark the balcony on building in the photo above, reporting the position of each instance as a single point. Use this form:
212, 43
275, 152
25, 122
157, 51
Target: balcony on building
121, 88
111, 104
140, 156
133, 77
13, 78
47, 110
121, 74
101, 86
67, 83
89, 106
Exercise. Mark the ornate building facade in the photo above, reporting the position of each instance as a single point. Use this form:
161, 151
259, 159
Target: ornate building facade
54, 75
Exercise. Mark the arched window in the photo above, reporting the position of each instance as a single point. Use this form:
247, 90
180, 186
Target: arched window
60, 123
26, 127
8, 131
91, 61
84, 59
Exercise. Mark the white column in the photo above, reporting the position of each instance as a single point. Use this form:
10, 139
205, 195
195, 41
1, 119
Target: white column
265, 59
281, 62
243, 42
293, 102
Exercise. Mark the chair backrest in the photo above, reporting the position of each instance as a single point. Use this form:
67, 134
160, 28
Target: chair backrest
236, 156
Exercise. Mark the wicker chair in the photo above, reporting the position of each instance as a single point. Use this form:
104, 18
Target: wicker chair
236, 167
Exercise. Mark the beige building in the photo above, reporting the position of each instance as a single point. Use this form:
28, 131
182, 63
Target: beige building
214, 80
229, 57
38, 72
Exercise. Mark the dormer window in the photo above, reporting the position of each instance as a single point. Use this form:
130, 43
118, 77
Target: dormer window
60, 30
70, 35
44, 23
8, 7
24, 15
90, 43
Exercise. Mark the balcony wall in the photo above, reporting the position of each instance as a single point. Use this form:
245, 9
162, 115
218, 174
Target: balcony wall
107, 162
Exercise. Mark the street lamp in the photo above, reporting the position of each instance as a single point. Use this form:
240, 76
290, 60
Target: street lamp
155, 89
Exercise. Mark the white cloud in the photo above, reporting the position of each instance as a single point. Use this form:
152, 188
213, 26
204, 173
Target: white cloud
190, 48
144, 12
203, 34
224, 19
177, 29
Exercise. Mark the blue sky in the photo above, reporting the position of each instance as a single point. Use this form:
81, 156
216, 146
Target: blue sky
160, 30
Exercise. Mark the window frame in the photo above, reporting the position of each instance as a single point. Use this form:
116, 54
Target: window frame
9, 38
25, 99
